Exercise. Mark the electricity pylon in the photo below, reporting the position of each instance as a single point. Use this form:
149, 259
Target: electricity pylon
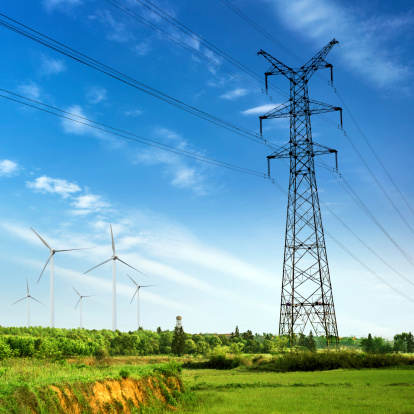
307, 299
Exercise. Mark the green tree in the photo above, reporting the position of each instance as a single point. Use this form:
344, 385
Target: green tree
367, 344
178, 342
410, 343
310, 343
248, 335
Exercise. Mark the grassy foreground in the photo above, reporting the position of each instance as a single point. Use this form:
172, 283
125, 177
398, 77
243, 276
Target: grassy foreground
342, 391
33, 385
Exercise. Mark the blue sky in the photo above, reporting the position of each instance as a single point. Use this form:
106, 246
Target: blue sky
211, 238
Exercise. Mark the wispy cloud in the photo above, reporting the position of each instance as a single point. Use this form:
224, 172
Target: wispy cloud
96, 94
184, 174
142, 48
50, 66
133, 112
234, 94
215, 59
116, 30
89, 203
259, 110
63, 5
46, 184
80, 204
366, 42
30, 90
8, 168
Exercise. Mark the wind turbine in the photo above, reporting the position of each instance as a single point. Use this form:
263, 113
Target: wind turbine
137, 293
28, 303
52, 297
80, 301
114, 258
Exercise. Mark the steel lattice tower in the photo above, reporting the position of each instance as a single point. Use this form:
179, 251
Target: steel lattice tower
307, 299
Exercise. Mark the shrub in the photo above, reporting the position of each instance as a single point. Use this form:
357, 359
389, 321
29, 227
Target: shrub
123, 373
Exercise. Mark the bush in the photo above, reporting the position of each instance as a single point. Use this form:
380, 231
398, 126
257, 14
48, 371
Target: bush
5, 351
124, 373
323, 361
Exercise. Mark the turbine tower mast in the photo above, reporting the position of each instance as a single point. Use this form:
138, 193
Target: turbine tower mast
306, 299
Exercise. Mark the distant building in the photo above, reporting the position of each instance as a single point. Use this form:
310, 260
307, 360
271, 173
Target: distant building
178, 323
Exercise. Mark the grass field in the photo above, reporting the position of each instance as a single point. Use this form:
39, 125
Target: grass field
341, 391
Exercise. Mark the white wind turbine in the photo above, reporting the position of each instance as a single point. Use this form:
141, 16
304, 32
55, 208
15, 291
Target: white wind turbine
80, 301
114, 258
137, 293
28, 303
52, 296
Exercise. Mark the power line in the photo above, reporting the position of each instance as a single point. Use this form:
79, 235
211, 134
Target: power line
366, 245
287, 50
373, 151
124, 134
179, 42
378, 183
357, 199
356, 258
196, 37
82, 58
133, 137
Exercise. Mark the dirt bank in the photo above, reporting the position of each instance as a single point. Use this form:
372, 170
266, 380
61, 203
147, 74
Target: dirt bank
110, 396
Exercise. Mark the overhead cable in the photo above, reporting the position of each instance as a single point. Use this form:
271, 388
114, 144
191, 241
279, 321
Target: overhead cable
354, 256
136, 138
122, 134
82, 58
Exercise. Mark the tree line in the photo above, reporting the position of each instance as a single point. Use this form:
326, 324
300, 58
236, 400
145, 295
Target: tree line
55, 342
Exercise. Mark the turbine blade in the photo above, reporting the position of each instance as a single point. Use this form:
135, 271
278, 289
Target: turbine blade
19, 300
76, 291
131, 267
37, 300
149, 285
88, 296
113, 243
106, 261
44, 267
42, 240
134, 294
78, 303
69, 250
133, 281
27, 283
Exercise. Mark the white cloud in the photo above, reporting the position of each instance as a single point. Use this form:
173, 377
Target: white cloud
8, 168
183, 174
96, 94
89, 203
71, 127
259, 110
63, 5
46, 184
117, 31
235, 93
51, 66
30, 90
215, 59
142, 49
366, 43
133, 112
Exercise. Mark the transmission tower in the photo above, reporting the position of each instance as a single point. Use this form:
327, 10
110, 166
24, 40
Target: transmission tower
307, 299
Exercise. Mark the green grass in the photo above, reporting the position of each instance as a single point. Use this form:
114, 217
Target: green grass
342, 391
17, 372
24, 382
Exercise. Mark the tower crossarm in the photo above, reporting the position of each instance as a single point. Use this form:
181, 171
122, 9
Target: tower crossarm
308, 107
317, 62
315, 150
277, 68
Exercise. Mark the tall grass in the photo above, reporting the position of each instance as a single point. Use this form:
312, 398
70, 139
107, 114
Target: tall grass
306, 361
